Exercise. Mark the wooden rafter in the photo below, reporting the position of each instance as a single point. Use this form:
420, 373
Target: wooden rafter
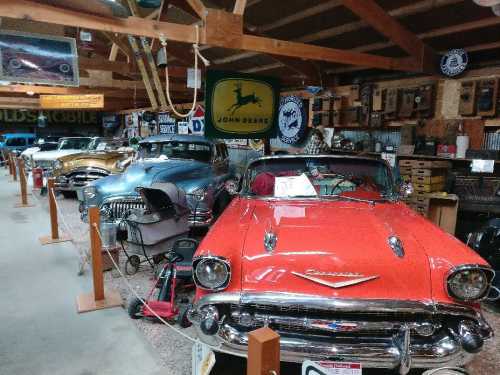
407, 10
198, 7
377, 17
443, 31
239, 7
220, 31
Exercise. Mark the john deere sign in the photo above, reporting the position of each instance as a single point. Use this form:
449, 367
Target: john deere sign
241, 105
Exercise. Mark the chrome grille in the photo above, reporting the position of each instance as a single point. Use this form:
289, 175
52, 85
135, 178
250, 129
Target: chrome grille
303, 320
44, 164
83, 178
118, 209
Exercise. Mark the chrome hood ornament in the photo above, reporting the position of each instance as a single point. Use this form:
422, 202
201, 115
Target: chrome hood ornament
336, 285
396, 245
270, 240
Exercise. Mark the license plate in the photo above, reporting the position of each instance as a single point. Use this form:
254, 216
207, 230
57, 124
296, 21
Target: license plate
331, 368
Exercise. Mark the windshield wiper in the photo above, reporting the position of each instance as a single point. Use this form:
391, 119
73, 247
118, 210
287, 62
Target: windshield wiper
352, 199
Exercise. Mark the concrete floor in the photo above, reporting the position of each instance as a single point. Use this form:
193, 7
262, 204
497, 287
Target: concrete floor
40, 330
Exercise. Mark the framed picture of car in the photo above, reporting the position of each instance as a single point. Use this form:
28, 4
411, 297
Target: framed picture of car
40, 59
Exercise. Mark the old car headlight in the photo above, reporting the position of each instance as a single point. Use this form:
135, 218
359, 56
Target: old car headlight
211, 273
57, 164
89, 192
199, 194
469, 282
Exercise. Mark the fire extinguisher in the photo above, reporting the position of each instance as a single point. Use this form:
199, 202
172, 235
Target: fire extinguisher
37, 178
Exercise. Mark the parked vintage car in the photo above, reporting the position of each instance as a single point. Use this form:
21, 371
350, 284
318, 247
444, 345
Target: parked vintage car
105, 156
195, 164
47, 160
15, 142
48, 143
319, 249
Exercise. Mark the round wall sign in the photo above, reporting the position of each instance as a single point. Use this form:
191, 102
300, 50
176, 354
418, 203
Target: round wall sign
292, 119
454, 62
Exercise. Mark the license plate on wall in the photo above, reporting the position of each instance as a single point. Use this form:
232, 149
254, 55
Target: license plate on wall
331, 368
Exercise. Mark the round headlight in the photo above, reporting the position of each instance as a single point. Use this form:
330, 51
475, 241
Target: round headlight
469, 283
89, 192
57, 164
211, 273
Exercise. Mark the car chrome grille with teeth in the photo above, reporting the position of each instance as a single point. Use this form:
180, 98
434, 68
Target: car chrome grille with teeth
303, 320
119, 208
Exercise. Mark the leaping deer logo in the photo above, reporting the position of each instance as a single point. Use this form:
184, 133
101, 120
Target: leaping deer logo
243, 100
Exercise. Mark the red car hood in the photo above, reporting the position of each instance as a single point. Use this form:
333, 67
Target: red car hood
333, 241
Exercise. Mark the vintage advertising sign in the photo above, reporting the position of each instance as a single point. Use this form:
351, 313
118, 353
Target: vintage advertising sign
13, 117
197, 122
454, 62
41, 59
240, 105
166, 123
292, 120
93, 101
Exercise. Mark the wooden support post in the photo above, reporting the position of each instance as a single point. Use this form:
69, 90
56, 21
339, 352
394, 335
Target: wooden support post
14, 170
8, 159
97, 300
54, 225
23, 184
263, 352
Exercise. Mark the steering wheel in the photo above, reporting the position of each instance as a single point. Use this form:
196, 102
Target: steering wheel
173, 257
343, 179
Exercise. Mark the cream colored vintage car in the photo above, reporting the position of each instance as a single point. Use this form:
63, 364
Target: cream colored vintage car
107, 156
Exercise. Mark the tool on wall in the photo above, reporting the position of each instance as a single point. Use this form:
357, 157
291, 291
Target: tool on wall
467, 104
486, 104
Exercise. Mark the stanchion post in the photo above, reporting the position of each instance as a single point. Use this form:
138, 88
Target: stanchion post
54, 224
97, 300
14, 170
23, 184
263, 352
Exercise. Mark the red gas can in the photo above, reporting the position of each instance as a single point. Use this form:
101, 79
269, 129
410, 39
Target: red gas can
37, 178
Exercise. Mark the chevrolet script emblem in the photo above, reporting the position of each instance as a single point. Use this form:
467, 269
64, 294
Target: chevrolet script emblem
337, 285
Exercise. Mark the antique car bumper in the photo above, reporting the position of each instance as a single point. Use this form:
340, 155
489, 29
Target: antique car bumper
378, 333
79, 178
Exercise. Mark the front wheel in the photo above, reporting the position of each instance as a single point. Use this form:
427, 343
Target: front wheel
135, 308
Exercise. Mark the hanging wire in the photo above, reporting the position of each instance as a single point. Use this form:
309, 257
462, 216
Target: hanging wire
197, 55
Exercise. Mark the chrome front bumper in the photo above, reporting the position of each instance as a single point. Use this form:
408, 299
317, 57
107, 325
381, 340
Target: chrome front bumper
402, 349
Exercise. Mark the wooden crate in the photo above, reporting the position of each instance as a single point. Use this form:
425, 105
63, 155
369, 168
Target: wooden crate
405, 170
428, 188
420, 200
428, 172
425, 164
427, 180
107, 264
405, 163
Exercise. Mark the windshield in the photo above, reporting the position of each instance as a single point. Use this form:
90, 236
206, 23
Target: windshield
177, 150
16, 142
320, 177
107, 144
73, 144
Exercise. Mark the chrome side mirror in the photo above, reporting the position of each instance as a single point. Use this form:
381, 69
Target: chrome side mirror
231, 187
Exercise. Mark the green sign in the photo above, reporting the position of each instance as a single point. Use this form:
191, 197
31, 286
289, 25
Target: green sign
241, 105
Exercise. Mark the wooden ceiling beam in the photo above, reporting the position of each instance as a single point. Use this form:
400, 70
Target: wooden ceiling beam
198, 7
298, 16
436, 33
219, 31
23, 9
239, 7
377, 17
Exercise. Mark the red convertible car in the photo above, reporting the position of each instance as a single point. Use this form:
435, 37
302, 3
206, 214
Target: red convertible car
319, 249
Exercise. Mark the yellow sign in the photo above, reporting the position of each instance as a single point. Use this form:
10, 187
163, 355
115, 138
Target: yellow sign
72, 101
243, 106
